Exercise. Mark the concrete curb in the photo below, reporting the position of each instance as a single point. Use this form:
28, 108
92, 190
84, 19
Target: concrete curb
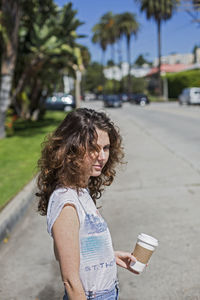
16, 208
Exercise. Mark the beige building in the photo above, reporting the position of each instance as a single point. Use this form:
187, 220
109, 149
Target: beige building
178, 58
117, 73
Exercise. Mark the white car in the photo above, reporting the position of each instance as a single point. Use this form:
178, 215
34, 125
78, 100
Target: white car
190, 96
89, 96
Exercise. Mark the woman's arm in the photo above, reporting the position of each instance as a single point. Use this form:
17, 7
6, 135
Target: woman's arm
123, 259
55, 250
66, 244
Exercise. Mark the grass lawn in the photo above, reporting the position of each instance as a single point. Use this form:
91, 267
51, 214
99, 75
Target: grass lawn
19, 154
160, 99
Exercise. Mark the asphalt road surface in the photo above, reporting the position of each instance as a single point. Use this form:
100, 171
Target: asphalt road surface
156, 192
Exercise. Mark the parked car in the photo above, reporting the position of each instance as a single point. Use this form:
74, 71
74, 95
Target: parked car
89, 96
99, 97
60, 101
112, 101
140, 99
124, 97
190, 96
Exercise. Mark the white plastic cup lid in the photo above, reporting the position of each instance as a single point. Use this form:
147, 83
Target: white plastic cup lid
148, 239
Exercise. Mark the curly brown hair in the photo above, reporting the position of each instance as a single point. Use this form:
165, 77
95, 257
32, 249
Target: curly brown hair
62, 160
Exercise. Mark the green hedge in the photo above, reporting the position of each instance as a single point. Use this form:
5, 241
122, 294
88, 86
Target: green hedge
178, 81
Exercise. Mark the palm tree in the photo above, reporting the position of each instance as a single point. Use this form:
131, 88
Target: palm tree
48, 44
100, 37
103, 36
105, 33
108, 21
127, 26
192, 7
159, 10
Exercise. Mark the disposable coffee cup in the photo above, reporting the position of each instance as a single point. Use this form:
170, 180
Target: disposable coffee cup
144, 248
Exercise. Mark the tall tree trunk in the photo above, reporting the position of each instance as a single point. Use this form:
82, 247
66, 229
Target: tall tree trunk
11, 18
77, 89
113, 67
120, 64
129, 87
31, 69
5, 89
35, 92
2, 124
103, 58
102, 69
159, 58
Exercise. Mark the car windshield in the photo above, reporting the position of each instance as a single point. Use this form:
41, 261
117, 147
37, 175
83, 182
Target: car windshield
112, 97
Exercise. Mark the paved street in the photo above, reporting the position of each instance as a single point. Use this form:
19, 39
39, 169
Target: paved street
156, 192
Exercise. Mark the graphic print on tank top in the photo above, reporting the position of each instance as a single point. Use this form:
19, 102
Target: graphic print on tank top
96, 243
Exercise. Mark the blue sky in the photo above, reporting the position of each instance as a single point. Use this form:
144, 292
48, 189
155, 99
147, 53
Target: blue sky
179, 34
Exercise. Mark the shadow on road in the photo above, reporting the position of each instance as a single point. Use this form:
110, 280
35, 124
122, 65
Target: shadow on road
48, 293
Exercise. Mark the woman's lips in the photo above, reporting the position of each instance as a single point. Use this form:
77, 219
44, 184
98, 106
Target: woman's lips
99, 167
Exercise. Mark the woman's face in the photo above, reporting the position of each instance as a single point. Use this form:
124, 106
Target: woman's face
95, 161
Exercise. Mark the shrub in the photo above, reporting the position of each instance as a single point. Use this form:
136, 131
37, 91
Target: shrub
178, 81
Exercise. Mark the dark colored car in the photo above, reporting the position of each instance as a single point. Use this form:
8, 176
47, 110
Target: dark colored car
60, 101
124, 97
112, 101
140, 99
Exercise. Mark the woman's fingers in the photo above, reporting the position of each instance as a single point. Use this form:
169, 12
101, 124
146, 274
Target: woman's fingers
137, 273
132, 258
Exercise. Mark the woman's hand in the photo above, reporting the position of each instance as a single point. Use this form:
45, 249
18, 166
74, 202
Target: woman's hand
124, 259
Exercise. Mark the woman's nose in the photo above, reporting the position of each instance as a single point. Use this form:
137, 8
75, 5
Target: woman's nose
101, 155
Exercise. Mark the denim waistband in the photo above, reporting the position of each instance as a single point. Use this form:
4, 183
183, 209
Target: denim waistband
103, 294
108, 292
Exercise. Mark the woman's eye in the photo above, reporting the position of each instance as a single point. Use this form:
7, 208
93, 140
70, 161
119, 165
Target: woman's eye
107, 147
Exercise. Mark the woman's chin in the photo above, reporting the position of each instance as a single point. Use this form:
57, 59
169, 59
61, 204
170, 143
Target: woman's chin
96, 173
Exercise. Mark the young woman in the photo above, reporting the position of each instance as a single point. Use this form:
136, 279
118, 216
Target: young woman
77, 161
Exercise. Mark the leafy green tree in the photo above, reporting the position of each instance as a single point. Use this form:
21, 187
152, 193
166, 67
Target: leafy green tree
93, 78
86, 56
49, 51
34, 39
11, 15
139, 85
185, 79
141, 60
110, 63
45, 39
112, 85
159, 10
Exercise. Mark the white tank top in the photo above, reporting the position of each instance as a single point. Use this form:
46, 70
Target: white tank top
98, 269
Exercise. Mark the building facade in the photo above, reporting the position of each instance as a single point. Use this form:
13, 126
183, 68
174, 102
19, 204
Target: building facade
178, 58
